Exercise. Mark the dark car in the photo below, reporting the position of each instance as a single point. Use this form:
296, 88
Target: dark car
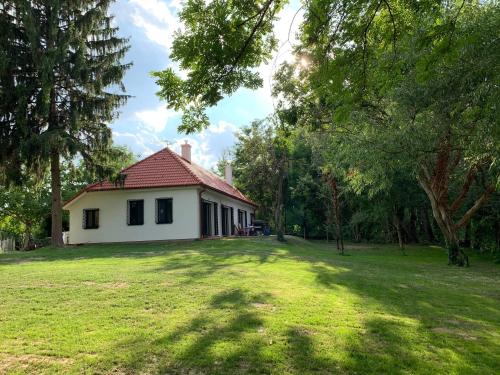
261, 228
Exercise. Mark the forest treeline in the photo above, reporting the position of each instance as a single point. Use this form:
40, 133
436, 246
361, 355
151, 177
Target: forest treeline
385, 128
317, 206
388, 113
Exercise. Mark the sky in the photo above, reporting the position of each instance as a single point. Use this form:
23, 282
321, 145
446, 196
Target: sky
145, 125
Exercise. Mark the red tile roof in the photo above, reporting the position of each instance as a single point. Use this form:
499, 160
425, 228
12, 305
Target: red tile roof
167, 169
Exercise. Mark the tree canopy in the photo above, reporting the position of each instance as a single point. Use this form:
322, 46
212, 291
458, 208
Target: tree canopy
387, 94
60, 83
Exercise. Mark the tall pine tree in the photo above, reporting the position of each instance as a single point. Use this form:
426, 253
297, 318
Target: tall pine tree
74, 70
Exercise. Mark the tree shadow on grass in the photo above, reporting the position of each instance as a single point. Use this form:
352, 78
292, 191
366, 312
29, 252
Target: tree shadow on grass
302, 356
224, 338
219, 248
414, 326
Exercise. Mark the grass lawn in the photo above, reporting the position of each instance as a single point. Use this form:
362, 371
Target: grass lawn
247, 306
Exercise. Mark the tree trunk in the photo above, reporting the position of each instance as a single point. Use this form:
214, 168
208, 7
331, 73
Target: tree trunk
436, 183
357, 233
327, 227
397, 225
396, 221
450, 233
336, 214
27, 237
467, 240
412, 227
497, 235
278, 210
442, 214
55, 173
429, 233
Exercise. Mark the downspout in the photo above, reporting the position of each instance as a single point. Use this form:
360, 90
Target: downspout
201, 212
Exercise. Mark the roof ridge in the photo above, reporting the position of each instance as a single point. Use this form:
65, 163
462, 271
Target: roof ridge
178, 158
216, 175
213, 174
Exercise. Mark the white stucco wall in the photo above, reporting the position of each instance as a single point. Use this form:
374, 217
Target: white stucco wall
112, 207
113, 226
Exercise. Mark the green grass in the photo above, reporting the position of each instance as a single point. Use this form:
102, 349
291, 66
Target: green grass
247, 306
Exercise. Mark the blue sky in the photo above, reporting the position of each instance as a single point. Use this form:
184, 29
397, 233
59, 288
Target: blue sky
145, 124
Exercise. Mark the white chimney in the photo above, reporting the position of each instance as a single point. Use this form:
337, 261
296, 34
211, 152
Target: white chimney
186, 151
228, 174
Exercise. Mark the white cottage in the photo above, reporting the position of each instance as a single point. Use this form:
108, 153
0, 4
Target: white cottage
163, 197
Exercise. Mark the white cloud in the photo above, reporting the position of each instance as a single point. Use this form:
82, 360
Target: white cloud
221, 127
176, 4
156, 119
209, 145
154, 33
136, 141
156, 8
157, 19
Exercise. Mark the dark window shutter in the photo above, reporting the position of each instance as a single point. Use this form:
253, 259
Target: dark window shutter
169, 211
90, 218
164, 211
140, 208
128, 212
216, 219
223, 216
232, 221
135, 212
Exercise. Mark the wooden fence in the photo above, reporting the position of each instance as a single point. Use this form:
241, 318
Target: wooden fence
7, 244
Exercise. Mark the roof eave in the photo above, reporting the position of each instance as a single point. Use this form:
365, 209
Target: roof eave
249, 202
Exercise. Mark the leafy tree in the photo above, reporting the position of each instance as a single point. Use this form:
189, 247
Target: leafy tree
77, 174
260, 166
406, 86
221, 42
414, 88
64, 91
23, 209
26, 211
220, 167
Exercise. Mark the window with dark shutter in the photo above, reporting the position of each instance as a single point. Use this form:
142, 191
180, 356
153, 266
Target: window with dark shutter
240, 217
216, 219
224, 216
206, 219
164, 213
135, 210
91, 218
232, 221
